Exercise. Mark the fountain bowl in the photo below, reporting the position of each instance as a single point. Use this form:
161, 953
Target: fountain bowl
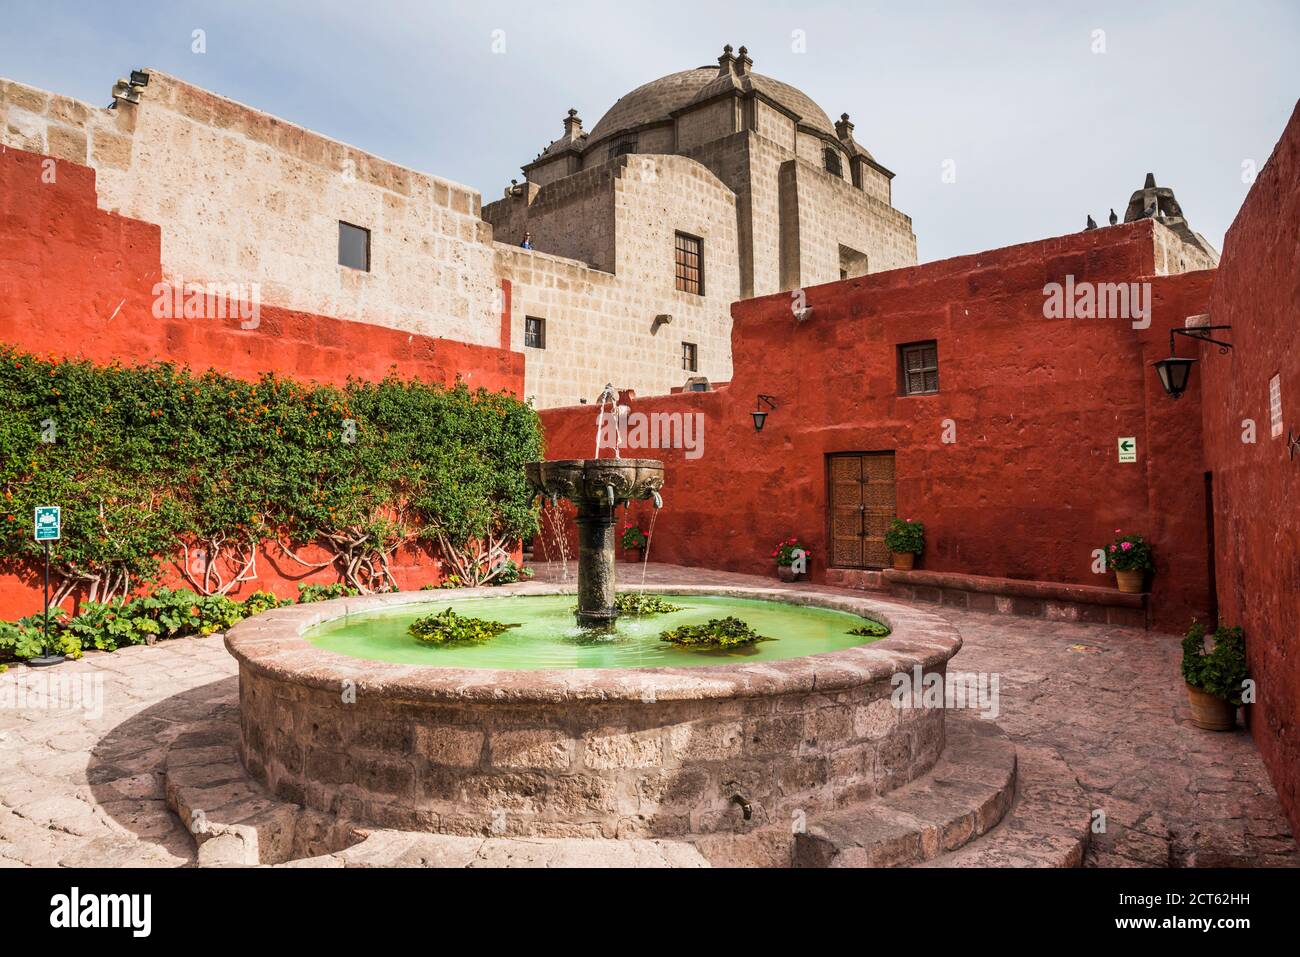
592, 479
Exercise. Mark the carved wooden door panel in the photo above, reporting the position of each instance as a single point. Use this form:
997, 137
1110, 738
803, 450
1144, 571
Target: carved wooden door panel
861, 506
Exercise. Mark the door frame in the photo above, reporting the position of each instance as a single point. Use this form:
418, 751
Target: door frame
829, 509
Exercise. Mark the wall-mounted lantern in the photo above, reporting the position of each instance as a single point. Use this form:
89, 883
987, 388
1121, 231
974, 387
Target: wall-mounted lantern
1174, 372
759, 415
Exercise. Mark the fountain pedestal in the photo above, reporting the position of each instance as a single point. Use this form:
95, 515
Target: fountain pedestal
595, 563
596, 486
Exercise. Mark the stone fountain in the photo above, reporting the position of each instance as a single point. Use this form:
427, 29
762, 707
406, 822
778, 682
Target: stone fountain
596, 487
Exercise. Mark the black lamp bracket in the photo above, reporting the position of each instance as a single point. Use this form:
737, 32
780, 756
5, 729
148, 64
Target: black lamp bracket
764, 399
1200, 334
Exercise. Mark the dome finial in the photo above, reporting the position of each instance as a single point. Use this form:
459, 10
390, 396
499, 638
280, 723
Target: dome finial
743, 62
726, 62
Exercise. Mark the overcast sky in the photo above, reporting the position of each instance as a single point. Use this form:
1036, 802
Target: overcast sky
1040, 126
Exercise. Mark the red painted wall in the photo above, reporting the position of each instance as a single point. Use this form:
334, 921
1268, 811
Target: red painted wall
1256, 486
77, 281
1031, 486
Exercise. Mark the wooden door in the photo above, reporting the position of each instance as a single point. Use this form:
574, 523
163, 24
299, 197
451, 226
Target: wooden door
861, 506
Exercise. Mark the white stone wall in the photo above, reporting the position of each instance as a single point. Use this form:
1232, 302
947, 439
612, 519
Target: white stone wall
599, 324
244, 197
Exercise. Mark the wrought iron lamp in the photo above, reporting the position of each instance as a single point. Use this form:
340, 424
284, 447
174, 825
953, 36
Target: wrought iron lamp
1174, 371
760, 417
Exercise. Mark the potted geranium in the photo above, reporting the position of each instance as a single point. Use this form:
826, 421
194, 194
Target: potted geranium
1129, 557
633, 541
1216, 676
905, 540
791, 558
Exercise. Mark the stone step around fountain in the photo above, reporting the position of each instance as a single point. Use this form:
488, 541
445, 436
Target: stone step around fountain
1048, 824
233, 819
964, 796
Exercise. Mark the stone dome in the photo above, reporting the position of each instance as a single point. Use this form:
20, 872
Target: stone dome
655, 101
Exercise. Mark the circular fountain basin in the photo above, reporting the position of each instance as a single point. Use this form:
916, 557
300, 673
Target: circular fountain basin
638, 748
544, 634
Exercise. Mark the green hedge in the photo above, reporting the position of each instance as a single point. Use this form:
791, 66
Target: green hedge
155, 460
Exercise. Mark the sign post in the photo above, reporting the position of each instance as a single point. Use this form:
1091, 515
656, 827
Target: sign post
47, 526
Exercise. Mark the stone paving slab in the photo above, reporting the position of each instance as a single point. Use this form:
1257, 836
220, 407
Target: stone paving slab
80, 787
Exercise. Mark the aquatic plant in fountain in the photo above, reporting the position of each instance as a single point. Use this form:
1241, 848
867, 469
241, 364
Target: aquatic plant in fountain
448, 628
729, 632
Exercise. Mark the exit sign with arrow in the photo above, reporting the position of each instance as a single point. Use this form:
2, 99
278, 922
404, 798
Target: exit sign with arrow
1128, 449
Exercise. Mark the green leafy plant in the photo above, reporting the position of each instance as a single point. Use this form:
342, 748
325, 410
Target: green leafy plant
870, 629
260, 601
784, 552
1129, 553
311, 593
632, 538
26, 638
726, 632
904, 536
157, 463
449, 628
513, 572
1220, 669
641, 604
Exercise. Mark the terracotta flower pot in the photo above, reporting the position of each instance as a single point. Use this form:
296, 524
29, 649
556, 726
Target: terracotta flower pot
787, 573
903, 561
1210, 713
1130, 581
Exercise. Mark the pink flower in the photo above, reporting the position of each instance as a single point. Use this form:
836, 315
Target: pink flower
1112, 548
1126, 546
1117, 531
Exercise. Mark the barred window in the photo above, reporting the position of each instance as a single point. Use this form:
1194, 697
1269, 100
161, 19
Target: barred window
690, 357
690, 264
832, 159
918, 368
534, 332
624, 144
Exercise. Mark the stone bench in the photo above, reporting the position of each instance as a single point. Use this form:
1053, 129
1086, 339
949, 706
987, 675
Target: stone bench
1010, 596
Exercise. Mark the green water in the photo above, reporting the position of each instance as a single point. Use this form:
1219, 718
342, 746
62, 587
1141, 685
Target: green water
549, 638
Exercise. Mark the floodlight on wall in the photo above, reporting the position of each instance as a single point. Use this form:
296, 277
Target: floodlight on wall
760, 417
139, 78
1174, 371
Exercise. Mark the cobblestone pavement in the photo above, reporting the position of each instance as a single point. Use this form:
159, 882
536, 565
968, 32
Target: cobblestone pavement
83, 786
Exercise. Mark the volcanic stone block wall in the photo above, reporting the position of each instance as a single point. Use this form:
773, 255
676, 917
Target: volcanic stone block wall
600, 326
245, 197
1257, 484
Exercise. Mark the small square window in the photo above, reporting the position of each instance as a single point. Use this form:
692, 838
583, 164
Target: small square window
689, 252
534, 332
690, 357
918, 368
354, 247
